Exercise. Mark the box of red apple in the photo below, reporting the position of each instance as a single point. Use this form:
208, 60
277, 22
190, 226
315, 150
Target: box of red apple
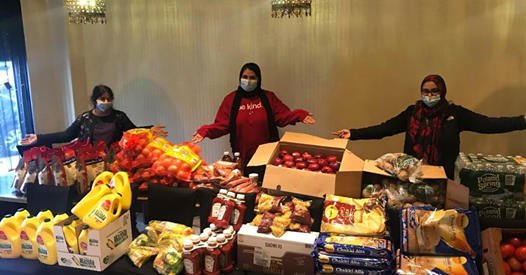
310, 165
504, 251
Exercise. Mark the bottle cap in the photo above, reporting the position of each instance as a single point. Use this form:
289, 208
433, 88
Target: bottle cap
240, 197
195, 239
84, 227
226, 153
188, 244
46, 220
231, 194
228, 234
253, 175
67, 223
203, 237
213, 227
212, 242
221, 239
223, 191
236, 154
207, 231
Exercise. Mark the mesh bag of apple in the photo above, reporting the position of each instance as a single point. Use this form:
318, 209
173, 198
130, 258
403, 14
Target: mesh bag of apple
328, 164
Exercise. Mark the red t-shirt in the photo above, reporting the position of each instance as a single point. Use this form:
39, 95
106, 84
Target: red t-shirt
251, 122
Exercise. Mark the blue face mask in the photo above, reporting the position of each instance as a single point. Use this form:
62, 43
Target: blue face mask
430, 100
104, 106
248, 85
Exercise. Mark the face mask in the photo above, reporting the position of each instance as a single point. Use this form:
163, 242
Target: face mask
430, 100
248, 85
104, 106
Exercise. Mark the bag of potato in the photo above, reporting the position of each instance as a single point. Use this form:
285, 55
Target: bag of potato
400, 165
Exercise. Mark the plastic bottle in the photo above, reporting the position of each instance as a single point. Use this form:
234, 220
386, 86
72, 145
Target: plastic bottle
239, 212
226, 262
44, 214
83, 240
211, 258
70, 236
84, 206
20, 215
191, 259
60, 218
107, 209
10, 237
216, 205
121, 185
227, 157
102, 179
225, 211
46, 246
28, 234
237, 159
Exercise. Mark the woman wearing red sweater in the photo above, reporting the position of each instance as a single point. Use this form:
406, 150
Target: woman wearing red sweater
250, 115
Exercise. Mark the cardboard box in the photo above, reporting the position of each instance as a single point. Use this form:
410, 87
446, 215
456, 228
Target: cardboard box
492, 262
104, 246
346, 182
456, 195
289, 254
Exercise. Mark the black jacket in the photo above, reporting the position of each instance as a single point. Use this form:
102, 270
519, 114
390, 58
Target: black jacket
457, 119
84, 125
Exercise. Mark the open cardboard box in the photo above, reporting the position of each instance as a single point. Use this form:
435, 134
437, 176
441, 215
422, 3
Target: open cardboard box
345, 182
457, 195
492, 262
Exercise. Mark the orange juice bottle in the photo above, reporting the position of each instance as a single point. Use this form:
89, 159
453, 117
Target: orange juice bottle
83, 240
121, 185
70, 236
47, 248
28, 235
10, 246
102, 178
20, 215
84, 206
107, 209
44, 214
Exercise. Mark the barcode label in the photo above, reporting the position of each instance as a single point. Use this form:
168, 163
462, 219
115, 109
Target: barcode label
261, 258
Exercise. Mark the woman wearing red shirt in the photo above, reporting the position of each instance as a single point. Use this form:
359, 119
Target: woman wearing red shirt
250, 115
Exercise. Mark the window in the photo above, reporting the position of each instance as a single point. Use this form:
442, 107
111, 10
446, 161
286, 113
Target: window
16, 117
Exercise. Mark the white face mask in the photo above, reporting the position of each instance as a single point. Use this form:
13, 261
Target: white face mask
248, 85
104, 106
430, 100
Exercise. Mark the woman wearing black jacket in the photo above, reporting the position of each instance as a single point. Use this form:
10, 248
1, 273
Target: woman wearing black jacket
432, 126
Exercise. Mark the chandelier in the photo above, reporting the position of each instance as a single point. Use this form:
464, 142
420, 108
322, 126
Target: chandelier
86, 11
298, 8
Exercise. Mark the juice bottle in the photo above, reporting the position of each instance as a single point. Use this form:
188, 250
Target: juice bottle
28, 234
83, 240
84, 206
60, 218
191, 259
46, 246
211, 255
10, 237
225, 211
216, 204
44, 214
107, 209
239, 212
121, 185
238, 161
20, 215
70, 236
102, 178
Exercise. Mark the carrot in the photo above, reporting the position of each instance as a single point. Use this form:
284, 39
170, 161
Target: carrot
237, 182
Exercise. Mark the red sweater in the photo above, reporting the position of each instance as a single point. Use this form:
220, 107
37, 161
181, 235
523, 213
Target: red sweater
251, 122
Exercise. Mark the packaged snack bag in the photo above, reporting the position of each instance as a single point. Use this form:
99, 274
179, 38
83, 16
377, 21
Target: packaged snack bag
354, 245
352, 261
424, 265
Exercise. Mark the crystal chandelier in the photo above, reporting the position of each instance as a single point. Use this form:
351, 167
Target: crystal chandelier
86, 11
298, 8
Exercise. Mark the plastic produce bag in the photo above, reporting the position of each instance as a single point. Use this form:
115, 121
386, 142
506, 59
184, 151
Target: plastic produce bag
169, 261
400, 165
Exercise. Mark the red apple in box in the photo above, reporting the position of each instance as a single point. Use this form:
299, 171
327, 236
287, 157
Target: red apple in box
318, 156
296, 154
283, 153
312, 160
298, 159
288, 158
322, 162
277, 161
331, 158
306, 156
301, 165
314, 167
289, 163
335, 166
326, 169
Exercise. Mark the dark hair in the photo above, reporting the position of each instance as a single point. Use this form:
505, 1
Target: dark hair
439, 81
98, 91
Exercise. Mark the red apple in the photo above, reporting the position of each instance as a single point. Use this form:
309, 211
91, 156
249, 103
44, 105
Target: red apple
306, 156
296, 154
318, 156
283, 153
331, 158
314, 167
312, 160
288, 158
335, 166
298, 159
326, 169
289, 163
277, 161
322, 162
301, 165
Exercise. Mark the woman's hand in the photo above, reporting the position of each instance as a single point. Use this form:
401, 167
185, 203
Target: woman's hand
309, 119
158, 130
29, 139
343, 133
197, 138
